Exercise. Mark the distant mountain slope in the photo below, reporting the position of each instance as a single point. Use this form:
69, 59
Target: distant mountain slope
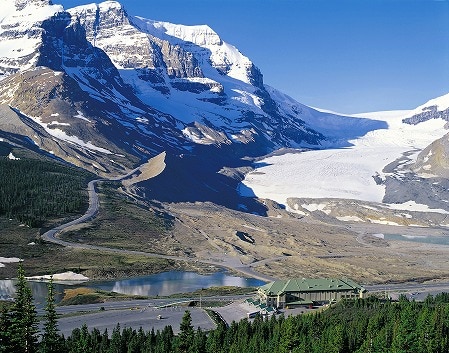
191, 74
105, 90
145, 86
433, 161
433, 109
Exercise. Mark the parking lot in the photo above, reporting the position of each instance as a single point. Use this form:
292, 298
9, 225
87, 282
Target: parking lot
149, 316
145, 317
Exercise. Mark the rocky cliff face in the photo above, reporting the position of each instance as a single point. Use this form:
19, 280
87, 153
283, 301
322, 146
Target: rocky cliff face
21, 4
162, 60
124, 88
21, 32
437, 108
433, 161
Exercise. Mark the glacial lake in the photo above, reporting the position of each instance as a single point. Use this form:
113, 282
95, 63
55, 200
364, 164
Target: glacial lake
439, 240
160, 284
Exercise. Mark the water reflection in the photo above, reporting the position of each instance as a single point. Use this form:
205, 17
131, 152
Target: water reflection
39, 290
7, 289
167, 283
161, 284
439, 240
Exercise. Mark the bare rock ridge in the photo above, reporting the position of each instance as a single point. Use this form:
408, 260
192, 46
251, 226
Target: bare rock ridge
428, 113
21, 4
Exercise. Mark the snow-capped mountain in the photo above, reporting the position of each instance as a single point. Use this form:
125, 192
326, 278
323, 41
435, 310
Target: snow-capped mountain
104, 85
105, 90
70, 94
433, 161
215, 92
433, 109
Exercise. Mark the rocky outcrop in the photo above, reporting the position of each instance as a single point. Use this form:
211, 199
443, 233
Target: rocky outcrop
21, 4
102, 23
433, 161
161, 59
428, 113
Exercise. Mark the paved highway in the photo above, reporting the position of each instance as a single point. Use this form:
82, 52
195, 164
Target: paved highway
130, 304
139, 316
91, 212
416, 291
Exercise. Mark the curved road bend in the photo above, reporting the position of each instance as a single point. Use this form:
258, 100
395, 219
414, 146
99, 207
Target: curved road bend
247, 270
91, 212
94, 204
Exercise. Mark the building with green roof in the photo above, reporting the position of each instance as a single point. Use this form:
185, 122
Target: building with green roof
295, 292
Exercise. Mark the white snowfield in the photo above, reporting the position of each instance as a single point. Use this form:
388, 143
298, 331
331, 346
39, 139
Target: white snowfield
8, 260
346, 173
66, 276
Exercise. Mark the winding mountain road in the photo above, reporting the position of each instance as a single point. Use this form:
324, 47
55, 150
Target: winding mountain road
94, 205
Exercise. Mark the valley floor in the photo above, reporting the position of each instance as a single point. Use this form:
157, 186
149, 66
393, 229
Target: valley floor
286, 245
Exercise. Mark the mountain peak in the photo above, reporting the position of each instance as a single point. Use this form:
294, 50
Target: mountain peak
111, 4
28, 9
21, 4
201, 35
147, 86
104, 6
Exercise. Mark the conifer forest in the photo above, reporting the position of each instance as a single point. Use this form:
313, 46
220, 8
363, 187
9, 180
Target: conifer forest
33, 191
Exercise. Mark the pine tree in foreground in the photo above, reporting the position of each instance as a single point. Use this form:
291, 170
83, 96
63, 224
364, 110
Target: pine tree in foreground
186, 334
23, 329
51, 340
5, 323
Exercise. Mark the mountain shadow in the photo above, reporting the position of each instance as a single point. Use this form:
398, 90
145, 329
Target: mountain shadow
201, 177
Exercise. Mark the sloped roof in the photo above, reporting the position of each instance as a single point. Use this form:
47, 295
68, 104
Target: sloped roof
310, 285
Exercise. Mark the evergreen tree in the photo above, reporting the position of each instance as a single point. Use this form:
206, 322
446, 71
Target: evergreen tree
360, 327
166, 340
289, 336
185, 337
117, 344
405, 333
23, 329
150, 341
216, 339
51, 340
199, 342
104, 344
5, 323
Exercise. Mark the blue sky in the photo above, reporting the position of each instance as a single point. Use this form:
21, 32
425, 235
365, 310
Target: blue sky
349, 56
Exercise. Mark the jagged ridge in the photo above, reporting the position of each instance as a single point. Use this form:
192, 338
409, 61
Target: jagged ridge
129, 86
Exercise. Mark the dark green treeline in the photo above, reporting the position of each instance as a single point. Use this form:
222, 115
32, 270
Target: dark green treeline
33, 191
364, 325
